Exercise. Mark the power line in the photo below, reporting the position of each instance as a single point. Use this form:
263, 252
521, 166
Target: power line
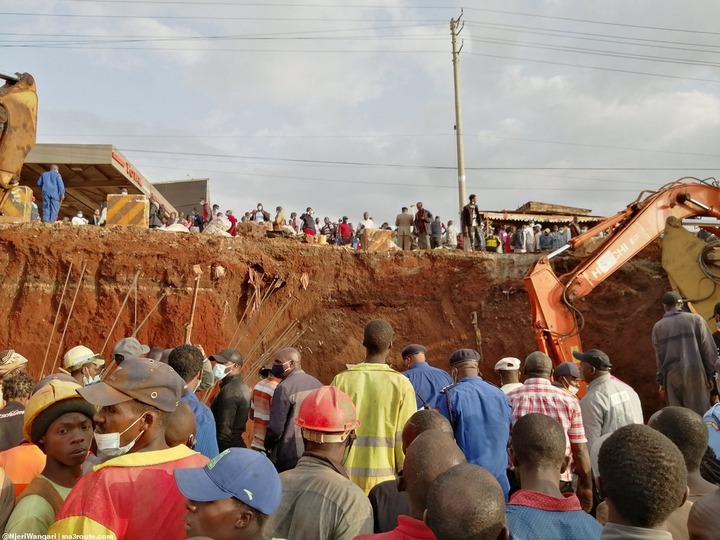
590, 21
415, 185
590, 36
594, 52
448, 135
615, 70
411, 166
210, 18
251, 4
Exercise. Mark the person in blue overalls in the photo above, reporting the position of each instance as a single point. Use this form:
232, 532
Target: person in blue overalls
53, 191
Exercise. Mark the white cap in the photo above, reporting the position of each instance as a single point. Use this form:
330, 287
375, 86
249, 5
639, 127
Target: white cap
508, 364
79, 356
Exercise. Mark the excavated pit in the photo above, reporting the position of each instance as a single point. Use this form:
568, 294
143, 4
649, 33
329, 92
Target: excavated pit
428, 297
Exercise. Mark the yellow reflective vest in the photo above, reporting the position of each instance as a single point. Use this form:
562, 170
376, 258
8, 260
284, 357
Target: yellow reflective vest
385, 400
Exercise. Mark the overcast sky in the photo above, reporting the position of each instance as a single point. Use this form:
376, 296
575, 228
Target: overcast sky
347, 106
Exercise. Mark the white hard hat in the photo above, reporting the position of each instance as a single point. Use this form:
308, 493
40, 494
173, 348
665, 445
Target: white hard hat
79, 356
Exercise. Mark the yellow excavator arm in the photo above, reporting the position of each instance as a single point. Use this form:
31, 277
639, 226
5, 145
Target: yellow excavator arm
18, 129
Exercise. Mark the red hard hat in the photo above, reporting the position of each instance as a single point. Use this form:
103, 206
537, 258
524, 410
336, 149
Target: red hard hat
329, 410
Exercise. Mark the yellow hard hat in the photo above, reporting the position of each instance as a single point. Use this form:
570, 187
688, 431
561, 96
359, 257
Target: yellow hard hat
50, 402
79, 356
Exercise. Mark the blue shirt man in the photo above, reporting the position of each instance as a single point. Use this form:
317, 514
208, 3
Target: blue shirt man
426, 380
205, 431
53, 191
712, 421
480, 414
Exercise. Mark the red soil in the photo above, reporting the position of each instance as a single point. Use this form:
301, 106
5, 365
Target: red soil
428, 297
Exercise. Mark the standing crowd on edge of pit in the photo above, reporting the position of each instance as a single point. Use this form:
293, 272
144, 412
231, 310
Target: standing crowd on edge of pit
418, 230
424, 453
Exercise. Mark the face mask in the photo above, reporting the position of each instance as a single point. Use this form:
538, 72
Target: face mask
87, 381
573, 390
219, 371
108, 444
278, 370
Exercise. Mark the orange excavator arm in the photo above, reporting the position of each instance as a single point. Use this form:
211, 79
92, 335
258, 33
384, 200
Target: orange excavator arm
556, 322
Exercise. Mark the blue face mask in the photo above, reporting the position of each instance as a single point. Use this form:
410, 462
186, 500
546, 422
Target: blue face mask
219, 371
87, 381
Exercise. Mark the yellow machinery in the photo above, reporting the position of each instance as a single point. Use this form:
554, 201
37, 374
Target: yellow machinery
18, 128
693, 268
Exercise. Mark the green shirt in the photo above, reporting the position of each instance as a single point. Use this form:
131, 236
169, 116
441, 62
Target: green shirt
33, 514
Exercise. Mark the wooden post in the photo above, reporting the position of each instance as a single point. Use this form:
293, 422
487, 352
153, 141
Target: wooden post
189, 325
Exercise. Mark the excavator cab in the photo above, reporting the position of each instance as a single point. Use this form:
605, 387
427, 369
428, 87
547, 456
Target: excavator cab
18, 129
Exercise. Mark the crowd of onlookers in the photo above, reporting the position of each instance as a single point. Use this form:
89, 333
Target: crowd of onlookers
416, 230
415, 453
421, 230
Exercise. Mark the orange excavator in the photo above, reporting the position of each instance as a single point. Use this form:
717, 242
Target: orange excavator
556, 321
18, 128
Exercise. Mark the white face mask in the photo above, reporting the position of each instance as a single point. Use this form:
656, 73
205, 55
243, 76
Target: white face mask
108, 444
220, 371
87, 381
573, 390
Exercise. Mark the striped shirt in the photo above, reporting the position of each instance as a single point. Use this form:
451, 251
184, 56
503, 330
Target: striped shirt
540, 396
261, 400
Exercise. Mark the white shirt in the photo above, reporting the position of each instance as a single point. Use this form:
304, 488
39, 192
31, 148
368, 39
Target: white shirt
451, 234
77, 220
609, 404
366, 224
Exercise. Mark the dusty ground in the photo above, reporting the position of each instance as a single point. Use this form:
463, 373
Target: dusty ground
429, 297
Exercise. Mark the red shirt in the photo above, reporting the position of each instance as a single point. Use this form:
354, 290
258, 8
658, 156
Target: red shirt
128, 497
407, 529
538, 395
345, 230
233, 225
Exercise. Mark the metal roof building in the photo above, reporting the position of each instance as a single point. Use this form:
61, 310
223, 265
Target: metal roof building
90, 172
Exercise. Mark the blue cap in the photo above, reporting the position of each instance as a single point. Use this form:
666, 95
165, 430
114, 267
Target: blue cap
411, 350
567, 369
242, 473
464, 355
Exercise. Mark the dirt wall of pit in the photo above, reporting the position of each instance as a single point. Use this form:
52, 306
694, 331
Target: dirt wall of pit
327, 293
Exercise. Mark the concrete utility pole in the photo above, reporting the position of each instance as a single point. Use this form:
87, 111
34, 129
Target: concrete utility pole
454, 31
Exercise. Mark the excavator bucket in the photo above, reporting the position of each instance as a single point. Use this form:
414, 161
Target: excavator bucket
689, 264
17, 205
18, 128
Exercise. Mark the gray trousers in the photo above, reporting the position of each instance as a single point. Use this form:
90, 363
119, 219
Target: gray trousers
687, 390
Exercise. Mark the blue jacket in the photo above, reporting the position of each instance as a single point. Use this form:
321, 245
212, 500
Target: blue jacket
543, 516
52, 184
480, 414
205, 432
427, 382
